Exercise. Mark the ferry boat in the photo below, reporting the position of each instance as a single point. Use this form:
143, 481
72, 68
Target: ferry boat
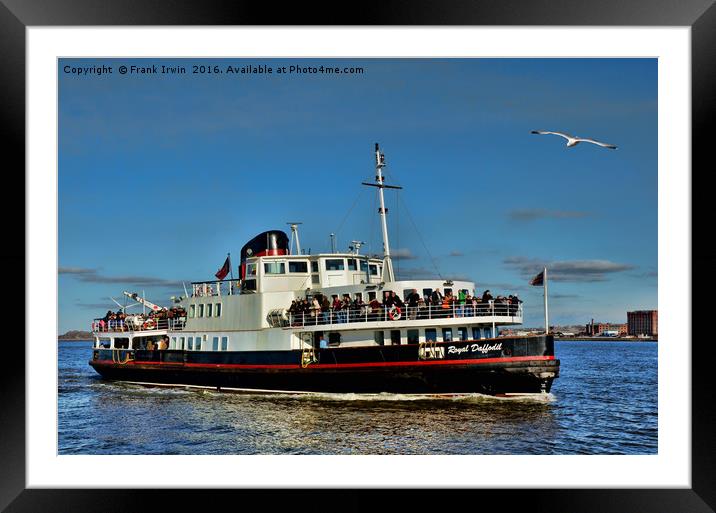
243, 335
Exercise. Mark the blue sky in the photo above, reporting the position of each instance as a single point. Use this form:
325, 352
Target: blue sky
161, 175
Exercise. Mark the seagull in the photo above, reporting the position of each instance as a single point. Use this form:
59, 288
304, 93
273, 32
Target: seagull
573, 141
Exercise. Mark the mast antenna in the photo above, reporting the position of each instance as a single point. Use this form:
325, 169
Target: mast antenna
388, 274
294, 235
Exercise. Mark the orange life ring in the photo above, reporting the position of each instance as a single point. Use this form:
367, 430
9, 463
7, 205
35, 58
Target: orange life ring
149, 324
395, 313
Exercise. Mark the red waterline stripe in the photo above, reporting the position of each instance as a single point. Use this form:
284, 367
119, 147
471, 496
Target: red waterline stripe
339, 365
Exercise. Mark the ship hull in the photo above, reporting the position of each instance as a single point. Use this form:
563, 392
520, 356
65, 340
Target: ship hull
504, 366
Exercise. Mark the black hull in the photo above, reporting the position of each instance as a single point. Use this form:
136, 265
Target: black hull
518, 366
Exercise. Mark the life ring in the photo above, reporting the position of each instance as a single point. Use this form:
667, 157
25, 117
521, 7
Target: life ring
149, 324
394, 313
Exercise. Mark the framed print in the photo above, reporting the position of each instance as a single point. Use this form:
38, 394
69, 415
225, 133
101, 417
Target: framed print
430, 250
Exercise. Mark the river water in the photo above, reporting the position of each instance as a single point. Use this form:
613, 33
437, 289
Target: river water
604, 402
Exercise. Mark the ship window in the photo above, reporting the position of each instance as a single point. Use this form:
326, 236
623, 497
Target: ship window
427, 293
224, 343
476, 333
201, 311
209, 309
359, 296
462, 333
215, 344
364, 266
380, 270
217, 309
249, 285
334, 338
190, 343
395, 337
352, 264
373, 270
335, 264
174, 343
413, 336
192, 311
298, 267
447, 334
448, 292
371, 296
315, 279
198, 344
431, 335
379, 337
274, 268
250, 269
314, 267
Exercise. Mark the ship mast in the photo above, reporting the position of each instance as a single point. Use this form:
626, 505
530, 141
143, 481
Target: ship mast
388, 274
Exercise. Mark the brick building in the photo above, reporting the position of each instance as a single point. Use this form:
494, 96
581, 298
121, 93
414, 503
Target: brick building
643, 322
594, 329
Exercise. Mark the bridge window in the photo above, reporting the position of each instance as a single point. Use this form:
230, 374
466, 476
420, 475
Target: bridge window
413, 336
373, 270
249, 285
217, 309
192, 311
314, 267
352, 264
431, 334
209, 309
447, 334
275, 267
335, 264
250, 269
364, 266
224, 343
298, 267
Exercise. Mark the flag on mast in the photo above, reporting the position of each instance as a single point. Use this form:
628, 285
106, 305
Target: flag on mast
221, 273
541, 279
538, 280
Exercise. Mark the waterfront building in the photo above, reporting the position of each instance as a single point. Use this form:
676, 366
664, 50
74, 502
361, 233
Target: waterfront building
643, 322
595, 329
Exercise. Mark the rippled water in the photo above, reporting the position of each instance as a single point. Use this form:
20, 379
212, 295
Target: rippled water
604, 402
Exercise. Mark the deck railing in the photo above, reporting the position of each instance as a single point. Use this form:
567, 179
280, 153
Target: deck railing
368, 314
137, 324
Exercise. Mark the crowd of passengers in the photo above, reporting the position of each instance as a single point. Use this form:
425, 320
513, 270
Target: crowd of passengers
320, 309
121, 321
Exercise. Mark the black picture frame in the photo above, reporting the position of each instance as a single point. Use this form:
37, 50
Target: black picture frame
17, 15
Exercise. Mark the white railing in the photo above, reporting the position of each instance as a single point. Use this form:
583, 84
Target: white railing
215, 288
368, 314
137, 323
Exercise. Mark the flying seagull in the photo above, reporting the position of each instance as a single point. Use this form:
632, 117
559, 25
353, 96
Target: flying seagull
573, 141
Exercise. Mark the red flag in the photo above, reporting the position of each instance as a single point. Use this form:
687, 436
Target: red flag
538, 280
221, 273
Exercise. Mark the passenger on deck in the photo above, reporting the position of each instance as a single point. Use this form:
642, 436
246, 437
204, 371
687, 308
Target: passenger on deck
436, 299
150, 345
163, 344
423, 309
325, 309
336, 308
486, 296
315, 310
413, 299
375, 309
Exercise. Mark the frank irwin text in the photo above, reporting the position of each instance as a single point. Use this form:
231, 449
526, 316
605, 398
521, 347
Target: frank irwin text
163, 69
